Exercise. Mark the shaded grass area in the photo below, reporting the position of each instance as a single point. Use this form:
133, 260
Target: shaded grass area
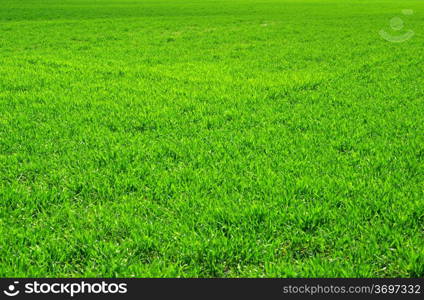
210, 139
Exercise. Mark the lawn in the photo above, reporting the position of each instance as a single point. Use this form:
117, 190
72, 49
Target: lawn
218, 138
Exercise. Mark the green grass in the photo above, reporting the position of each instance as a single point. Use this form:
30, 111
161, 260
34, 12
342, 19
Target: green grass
213, 138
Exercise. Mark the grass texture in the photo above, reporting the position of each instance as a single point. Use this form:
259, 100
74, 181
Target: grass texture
217, 138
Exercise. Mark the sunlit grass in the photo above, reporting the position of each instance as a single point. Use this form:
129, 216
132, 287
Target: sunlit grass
210, 139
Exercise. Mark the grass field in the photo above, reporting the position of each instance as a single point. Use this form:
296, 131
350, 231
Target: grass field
217, 138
